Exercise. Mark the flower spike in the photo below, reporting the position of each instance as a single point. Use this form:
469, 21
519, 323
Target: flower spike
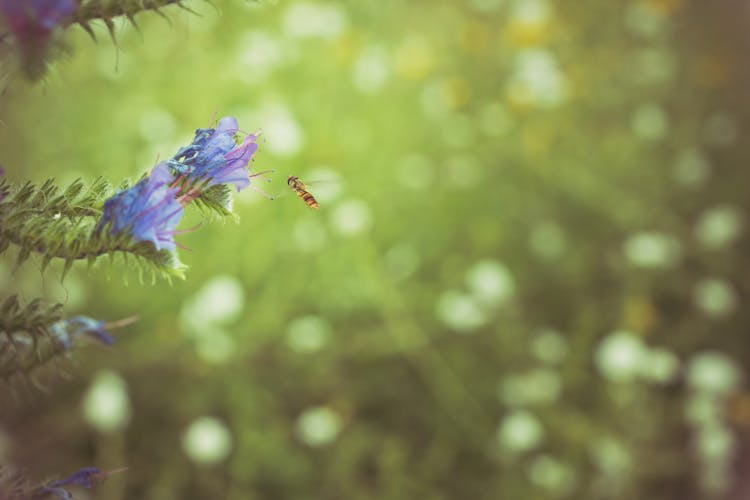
215, 158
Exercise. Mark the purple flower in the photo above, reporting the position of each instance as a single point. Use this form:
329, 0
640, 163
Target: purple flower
32, 23
149, 210
35, 18
86, 477
67, 330
215, 158
83, 478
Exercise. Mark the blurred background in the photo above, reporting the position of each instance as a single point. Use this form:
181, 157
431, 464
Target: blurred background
526, 278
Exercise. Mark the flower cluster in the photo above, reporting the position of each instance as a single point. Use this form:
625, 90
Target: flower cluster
215, 158
152, 209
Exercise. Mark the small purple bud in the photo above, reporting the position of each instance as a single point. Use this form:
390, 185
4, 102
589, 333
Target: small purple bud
66, 331
82, 478
86, 477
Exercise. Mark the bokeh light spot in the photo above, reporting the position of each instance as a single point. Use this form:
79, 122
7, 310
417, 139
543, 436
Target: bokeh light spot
552, 475
307, 334
718, 227
282, 133
259, 55
619, 356
207, 441
219, 300
644, 20
712, 372
314, 20
530, 12
371, 69
537, 79
715, 297
351, 217
520, 431
659, 365
490, 282
652, 249
538, 386
318, 426
714, 442
106, 405
612, 456
459, 311
649, 122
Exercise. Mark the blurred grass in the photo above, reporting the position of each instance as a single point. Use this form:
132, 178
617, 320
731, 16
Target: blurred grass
517, 179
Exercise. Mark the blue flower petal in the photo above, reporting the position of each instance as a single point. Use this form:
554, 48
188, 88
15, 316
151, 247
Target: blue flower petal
215, 158
149, 211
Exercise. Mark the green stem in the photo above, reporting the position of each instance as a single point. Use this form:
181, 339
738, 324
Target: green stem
62, 252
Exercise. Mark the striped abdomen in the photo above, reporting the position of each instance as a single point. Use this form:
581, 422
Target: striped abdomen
309, 199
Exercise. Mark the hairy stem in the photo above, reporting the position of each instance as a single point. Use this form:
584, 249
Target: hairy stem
106, 10
62, 252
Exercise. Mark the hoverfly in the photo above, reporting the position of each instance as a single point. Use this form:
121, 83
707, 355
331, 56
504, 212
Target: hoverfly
299, 187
